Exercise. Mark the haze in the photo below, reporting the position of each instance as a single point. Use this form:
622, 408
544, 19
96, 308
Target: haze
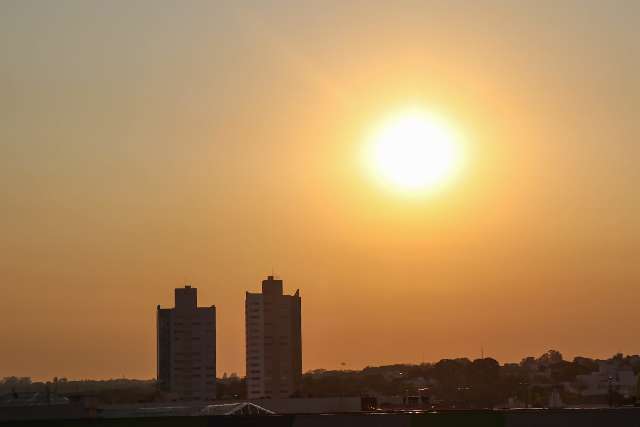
148, 144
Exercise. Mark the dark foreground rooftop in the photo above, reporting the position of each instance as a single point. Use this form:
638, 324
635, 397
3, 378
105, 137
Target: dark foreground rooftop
621, 417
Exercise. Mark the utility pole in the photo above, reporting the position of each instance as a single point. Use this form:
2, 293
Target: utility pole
610, 392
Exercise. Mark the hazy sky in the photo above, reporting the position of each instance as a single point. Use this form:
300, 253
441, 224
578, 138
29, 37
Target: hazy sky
148, 144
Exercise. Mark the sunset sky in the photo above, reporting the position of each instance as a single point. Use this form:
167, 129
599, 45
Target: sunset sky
149, 144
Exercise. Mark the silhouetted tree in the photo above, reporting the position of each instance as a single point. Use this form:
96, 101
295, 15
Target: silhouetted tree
550, 357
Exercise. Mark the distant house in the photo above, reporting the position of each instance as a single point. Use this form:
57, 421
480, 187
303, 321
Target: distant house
621, 378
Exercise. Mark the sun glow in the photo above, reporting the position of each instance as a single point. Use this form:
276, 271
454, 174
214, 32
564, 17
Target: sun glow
414, 152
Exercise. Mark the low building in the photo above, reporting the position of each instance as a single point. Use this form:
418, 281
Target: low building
16, 406
311, 405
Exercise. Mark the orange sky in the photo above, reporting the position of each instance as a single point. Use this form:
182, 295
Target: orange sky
146, 145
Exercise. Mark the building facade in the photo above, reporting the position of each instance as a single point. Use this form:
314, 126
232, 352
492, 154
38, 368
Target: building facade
273, 342
186, 348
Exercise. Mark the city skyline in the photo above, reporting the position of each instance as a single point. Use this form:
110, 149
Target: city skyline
187, 296
438, 177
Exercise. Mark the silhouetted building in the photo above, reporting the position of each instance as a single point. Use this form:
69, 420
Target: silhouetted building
274, 342
187, 347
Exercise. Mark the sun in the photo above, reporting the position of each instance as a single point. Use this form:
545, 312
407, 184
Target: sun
414, 151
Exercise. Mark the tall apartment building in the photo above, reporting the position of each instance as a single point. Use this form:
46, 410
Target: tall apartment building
187, 347
274, 342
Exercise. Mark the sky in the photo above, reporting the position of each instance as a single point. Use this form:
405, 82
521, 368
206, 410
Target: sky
149, 144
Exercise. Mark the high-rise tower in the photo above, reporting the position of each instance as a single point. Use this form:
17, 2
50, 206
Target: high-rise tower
274, 342
187, 347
